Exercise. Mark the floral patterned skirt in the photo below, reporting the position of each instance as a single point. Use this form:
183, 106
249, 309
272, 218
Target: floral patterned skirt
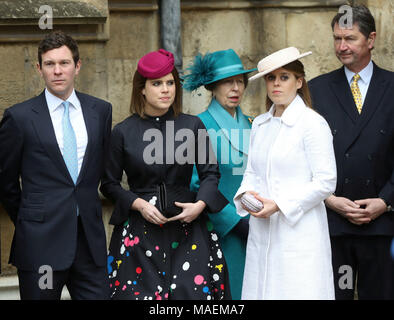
173, 261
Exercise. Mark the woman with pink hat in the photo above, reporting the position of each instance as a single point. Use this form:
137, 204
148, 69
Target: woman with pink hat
163, 245
291, 170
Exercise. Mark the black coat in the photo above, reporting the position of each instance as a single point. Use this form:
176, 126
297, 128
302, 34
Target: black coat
175, 260
129, 147
363, 143
43, 207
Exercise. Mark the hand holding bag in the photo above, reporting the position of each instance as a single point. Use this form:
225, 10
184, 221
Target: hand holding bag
251, 203
168, 194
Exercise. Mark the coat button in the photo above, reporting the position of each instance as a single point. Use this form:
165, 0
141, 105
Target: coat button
382, 131
334, 132
347, 180
157, 119
347, 155
367, 182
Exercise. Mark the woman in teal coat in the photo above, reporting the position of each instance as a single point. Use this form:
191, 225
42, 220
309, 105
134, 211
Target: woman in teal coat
223, 74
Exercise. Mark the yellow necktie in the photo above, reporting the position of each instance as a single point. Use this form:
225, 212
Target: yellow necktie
356, 92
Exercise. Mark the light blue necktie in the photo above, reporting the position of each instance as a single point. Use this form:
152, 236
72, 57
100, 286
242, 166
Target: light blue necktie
69, 144
70, 154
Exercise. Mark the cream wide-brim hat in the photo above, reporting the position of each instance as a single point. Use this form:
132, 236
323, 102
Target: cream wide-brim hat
276, 60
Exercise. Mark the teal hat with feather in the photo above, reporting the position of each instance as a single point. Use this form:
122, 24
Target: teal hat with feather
213, 67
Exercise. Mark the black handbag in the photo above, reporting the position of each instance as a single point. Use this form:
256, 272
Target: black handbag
168, 194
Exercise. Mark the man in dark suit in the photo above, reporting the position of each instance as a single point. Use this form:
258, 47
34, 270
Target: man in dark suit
52, 149
1, 201
357, 102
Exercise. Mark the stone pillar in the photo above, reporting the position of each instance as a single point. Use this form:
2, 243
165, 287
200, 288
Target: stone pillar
170, 29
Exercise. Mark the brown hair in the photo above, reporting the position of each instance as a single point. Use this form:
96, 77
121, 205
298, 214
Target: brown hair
57, 39
137, 104
297, 68
360, 16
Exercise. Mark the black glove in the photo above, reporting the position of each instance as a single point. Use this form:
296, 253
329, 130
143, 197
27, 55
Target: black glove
242, 228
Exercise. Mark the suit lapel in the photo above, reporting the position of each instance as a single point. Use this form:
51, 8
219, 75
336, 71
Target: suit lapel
342, 91
42, 123
91, 123
375, 93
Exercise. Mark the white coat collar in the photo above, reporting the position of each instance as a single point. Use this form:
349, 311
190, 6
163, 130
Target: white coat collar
289, 116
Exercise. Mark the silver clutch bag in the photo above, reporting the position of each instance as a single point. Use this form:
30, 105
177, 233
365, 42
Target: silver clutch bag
251, 203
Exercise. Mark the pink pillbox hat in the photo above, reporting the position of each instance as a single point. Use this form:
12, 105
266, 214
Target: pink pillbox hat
156, 64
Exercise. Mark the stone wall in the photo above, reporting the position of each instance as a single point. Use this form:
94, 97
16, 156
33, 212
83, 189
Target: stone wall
121, 31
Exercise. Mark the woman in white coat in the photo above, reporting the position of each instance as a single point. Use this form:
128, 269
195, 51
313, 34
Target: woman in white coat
291, 170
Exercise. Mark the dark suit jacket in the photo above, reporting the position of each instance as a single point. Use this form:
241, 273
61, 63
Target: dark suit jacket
364, 144
43, 206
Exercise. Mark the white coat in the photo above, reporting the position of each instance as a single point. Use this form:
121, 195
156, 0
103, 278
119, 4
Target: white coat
289, 254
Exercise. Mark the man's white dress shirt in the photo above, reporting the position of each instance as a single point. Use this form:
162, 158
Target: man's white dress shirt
365, 79
56, 111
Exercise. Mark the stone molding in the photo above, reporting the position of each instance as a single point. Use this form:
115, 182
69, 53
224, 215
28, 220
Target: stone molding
85, 20
153, 5
133, 5
246, 4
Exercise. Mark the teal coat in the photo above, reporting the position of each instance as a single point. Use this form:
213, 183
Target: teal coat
230, 141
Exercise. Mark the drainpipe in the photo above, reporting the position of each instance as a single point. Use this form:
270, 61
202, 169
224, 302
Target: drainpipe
170, 29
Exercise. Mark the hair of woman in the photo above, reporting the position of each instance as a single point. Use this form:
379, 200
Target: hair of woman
297, 68
138, 101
